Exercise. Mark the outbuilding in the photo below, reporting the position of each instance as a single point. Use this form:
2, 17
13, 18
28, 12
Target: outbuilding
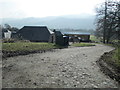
36, 34
78, 36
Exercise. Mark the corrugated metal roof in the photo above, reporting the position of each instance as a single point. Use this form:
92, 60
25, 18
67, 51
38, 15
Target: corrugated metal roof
76, 33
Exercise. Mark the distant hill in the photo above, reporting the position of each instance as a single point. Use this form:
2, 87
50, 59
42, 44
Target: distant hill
59, 22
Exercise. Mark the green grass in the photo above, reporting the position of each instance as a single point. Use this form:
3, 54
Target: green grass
116, 56
82, 44
35, 46
27, 46
94, 38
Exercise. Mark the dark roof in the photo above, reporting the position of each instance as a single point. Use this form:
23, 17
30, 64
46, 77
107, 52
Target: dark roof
34, 27
58, 33
38, 33
42, 27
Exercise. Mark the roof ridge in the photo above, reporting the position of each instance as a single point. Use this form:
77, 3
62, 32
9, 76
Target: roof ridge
35, 26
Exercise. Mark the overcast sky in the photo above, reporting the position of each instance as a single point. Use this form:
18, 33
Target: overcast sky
44, 8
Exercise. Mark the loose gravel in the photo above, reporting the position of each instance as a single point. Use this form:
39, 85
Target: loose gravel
73, 67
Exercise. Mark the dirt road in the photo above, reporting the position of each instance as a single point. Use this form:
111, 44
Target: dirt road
63, 68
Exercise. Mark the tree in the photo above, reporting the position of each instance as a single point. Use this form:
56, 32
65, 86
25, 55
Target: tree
108, 19
6, 27
10, 28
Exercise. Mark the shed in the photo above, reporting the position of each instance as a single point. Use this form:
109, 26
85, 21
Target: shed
7, 34
76, 36
60, 39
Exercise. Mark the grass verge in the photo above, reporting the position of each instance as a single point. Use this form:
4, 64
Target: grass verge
116, 57
27, 46
110, 62
93, 38
24, 48
82, 44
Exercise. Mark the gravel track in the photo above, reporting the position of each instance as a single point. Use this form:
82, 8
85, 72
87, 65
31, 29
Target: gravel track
73, 67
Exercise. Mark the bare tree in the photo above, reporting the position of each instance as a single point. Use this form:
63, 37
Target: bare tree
108, 19
10, 28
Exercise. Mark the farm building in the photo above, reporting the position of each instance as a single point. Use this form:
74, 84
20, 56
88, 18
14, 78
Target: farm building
60, 39
78, 36
6, 34
36, 34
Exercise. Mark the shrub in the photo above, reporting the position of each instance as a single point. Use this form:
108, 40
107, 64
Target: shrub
8, 40
13, 40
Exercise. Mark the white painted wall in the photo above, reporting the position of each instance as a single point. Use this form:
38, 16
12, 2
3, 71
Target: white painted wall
7, 34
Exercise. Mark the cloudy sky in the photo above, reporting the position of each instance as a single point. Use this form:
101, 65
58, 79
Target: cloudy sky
44, 8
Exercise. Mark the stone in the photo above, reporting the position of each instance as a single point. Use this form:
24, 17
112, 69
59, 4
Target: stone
104, 83
94, 86
35, 83
75, 77
83, 77
75, 85
53, 82
78, 82
63, 70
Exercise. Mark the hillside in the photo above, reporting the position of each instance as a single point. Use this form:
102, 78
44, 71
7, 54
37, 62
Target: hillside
60, 22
